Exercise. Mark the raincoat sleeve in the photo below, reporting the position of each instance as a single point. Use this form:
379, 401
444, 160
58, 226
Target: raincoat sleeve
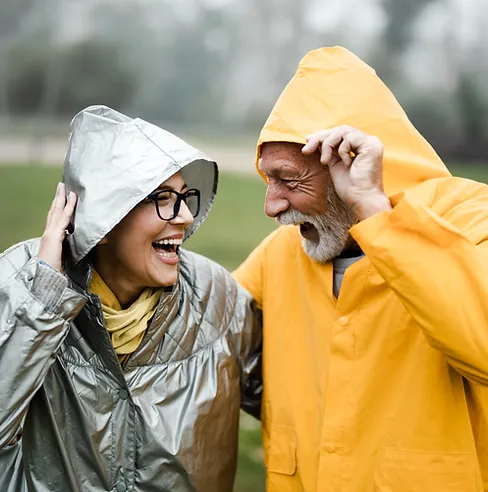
250, 276
36, 307
247, 342
432, 250
250, 273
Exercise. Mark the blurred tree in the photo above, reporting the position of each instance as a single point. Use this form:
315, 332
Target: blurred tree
400, 19
94, 74
401, 16
273, 37
180, 53
473, 116
453, 114
434, 114
25, 79
279, 29
91, 73
12, 14
193, 80
456, 124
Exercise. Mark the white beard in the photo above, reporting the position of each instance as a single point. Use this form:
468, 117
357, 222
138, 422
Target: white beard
332, 227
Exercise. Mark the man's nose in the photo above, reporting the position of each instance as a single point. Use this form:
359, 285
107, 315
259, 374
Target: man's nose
274, 203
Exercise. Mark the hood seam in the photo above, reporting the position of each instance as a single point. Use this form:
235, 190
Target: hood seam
177, 164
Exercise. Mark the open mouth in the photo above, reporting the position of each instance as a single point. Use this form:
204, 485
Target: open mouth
168, 248
308, 231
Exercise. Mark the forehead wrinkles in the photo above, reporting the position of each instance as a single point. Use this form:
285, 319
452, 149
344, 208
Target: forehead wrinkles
287, 157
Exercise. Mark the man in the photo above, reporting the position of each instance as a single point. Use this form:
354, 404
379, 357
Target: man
374, 295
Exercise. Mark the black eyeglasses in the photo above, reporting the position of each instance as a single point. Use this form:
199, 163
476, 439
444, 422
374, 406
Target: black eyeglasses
168, 202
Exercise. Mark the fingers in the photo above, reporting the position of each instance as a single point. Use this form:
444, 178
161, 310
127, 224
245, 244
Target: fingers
344, 151
54, 204
59, 199
344, 142
328, 141
58, 219
61, 211
329, 146
314, 141
334, 160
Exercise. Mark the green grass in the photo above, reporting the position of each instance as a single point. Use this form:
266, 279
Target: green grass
26, 193
234, 227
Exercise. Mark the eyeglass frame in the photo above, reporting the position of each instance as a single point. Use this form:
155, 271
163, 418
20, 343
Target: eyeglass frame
180, 197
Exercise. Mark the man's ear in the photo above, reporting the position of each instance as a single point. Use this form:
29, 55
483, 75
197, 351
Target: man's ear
102, 241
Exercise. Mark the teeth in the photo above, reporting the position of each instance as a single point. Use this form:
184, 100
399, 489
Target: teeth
168, 254
176, 242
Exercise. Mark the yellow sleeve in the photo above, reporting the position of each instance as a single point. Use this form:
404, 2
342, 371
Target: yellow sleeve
251, 272
431, 249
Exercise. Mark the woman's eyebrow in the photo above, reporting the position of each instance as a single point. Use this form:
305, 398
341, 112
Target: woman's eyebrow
169, 188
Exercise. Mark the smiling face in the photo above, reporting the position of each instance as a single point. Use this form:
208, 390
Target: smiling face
142, 250
301, 192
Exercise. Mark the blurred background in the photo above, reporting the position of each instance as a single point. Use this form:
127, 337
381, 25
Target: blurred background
210, 71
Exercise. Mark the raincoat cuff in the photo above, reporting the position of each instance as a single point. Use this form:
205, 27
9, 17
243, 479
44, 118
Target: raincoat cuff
407, 214
370, 227
50, 287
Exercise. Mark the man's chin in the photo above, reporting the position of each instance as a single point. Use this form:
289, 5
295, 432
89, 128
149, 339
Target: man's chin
322, 251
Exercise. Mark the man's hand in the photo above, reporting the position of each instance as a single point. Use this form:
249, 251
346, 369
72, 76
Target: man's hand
58, 219
355, 161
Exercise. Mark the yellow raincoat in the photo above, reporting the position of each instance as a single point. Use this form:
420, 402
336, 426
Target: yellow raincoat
383, 389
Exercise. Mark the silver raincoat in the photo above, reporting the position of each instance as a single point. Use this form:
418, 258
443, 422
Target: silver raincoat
71, 418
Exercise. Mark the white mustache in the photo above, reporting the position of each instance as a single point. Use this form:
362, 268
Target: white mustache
293, 217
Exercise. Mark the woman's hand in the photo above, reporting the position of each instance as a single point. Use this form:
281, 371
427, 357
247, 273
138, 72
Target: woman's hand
58, 219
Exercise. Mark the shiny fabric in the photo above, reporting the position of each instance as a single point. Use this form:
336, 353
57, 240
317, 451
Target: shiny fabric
72, 418
385, 388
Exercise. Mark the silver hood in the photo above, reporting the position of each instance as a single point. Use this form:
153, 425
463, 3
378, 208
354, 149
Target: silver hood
113, 162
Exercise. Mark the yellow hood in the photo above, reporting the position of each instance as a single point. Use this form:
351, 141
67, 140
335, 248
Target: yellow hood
334, 87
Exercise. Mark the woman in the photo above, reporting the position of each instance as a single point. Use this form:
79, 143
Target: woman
123, 358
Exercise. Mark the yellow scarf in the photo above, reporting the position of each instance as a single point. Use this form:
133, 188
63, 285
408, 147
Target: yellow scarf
126, 326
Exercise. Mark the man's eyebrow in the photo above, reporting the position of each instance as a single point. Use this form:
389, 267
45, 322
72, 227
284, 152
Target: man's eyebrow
272, 173
280, 172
